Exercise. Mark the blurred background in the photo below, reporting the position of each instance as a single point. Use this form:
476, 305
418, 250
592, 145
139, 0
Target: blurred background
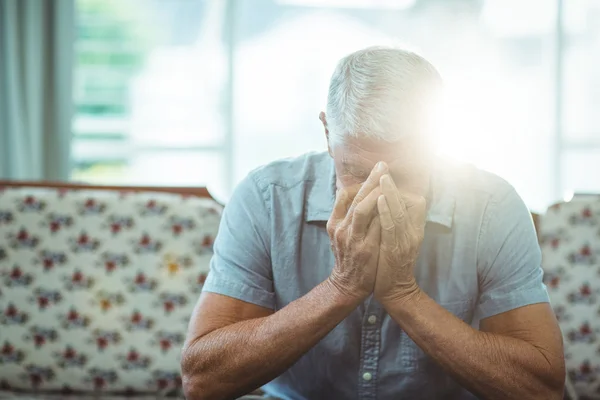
199, 92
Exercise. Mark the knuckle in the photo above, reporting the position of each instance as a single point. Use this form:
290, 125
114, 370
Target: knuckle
330, 227
338, 235
331, 233
335, 236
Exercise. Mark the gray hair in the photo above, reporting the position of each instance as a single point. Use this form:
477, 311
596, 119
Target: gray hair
380, 92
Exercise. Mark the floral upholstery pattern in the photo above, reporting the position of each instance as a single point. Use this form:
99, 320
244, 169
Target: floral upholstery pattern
96, 287
570, 241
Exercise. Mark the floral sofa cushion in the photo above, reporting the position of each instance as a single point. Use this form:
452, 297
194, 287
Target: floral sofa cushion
570, 241
96, 287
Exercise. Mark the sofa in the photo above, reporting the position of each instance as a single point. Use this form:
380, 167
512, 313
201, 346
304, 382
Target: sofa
97, 285
570, 240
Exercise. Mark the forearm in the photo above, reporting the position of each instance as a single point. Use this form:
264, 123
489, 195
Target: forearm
491, 366
241, 357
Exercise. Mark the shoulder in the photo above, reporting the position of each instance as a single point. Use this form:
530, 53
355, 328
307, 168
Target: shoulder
469, 184
290, 172
271, 188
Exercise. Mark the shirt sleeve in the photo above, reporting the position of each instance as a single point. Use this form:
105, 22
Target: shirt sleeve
509, 258
241, 263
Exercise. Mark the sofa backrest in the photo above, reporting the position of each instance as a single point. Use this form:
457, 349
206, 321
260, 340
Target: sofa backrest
97, 285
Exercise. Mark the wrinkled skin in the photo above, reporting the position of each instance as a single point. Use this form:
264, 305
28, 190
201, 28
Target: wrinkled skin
402, 220
355, 235
392, 198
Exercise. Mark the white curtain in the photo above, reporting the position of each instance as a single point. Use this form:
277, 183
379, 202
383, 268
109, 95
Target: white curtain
36, 58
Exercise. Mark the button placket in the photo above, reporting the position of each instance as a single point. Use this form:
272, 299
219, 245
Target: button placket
370, 345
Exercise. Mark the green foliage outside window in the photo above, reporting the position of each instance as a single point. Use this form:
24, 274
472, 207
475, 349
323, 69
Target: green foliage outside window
111, 47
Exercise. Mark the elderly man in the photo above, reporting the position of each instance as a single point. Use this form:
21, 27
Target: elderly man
361, 273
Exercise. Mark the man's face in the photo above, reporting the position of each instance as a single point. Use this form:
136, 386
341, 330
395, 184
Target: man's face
408, 160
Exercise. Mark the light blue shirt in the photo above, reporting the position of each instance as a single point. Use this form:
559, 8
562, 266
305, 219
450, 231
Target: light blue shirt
480, 257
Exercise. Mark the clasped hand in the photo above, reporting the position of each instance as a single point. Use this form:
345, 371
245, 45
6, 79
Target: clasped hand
375, 232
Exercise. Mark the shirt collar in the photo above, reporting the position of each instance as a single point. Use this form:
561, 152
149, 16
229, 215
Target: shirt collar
321, 196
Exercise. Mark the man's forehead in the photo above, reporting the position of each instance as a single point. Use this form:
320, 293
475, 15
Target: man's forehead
366, 152
357, 156
368, 164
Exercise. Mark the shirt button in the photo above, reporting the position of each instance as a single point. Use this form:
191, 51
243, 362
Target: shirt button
367, 376
372, 319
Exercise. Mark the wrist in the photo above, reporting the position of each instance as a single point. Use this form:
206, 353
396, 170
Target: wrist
406, 296
342, 295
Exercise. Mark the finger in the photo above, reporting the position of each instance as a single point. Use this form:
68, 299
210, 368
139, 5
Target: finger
365, 212
410, 202
343, 200
393, 198
351, 192
374, 231
416, 207
340, 207
370, 184
388, 227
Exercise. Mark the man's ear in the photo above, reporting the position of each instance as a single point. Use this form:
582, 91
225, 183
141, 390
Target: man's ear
323, 119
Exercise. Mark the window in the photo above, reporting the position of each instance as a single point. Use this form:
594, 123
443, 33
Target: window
580, 89
199, 92
150, 93
496, 71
